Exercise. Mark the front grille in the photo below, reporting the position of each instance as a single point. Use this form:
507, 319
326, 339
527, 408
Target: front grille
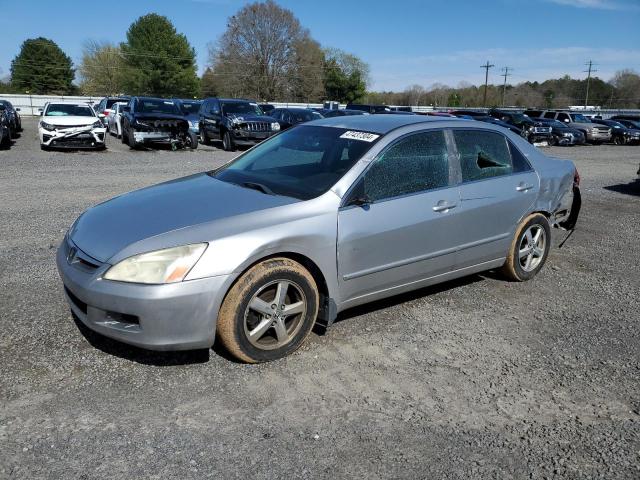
542, 130
256, 126
76, 301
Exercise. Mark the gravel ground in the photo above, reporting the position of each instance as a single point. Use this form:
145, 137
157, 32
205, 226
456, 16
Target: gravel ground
476, 378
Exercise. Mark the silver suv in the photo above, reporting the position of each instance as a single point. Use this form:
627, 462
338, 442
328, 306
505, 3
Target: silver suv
593, 132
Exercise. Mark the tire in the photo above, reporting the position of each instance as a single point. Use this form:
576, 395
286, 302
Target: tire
192, 140
526, 255
277, 335
553, 141
203, 136
617, 140
227, 142
131, 141
124, 136
44, 148
6, 139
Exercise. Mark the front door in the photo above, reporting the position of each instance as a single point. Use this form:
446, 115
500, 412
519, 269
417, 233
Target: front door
397, 224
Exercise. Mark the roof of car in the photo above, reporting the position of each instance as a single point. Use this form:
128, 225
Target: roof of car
379, 123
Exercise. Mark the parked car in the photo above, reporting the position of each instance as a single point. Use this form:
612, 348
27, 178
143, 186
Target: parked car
267, 108
562, 135
534, 132
234, 122
13, 116
626, 116
288, 117
620, 134
71, 125
105, 105
369, 108
502, 124
593, 132
150, 121
299, 228
468, 113
630, 123
5, 128
114, 119
343, 112
191, 110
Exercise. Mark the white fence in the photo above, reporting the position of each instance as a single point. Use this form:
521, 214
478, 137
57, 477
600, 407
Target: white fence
30, 105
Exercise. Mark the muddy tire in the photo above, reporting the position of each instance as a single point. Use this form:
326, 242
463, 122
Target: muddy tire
529, 249
203, 136
269, 312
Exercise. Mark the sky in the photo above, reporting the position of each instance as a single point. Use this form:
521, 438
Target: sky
405, 42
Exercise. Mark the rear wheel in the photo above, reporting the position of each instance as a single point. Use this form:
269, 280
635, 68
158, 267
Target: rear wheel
618, 140
529, 248
269, 312
203, 135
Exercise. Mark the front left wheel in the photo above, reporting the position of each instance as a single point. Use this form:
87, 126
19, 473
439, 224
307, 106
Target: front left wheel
269, 311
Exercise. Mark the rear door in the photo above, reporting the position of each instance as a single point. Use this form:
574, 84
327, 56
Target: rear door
498, 187
406, 231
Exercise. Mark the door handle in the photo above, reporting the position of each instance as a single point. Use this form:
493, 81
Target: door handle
443, 206
523, 187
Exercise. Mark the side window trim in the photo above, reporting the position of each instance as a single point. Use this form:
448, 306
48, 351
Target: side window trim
347, 197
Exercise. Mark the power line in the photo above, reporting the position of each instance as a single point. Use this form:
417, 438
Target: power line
504, 85
590, 64
486, 67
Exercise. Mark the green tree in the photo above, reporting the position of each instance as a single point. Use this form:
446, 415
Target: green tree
158, 60
102, 69
42, 67
345, 76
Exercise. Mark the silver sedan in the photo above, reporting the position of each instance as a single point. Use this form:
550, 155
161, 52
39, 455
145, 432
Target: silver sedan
320, 218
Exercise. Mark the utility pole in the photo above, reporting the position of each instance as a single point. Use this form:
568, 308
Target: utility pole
504, 86
589, 71
486, 67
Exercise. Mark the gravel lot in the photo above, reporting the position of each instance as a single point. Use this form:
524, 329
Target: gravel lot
477, 378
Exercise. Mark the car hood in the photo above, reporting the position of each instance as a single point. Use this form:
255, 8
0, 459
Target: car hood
69, 120
104, 230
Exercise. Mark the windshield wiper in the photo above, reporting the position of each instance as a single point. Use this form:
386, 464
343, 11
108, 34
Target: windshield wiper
258, 186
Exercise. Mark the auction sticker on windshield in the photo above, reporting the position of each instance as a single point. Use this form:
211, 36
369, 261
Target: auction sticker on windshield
363, 136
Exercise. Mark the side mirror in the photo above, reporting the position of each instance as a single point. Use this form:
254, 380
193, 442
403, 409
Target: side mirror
361, 200
566, 120
215, 112
40, 111
101, 115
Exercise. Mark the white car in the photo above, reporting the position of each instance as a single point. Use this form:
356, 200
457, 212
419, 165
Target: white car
114, 125
71, 125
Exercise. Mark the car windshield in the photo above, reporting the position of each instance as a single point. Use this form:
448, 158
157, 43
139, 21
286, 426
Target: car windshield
239, 108
579, 118
148, 105
611, 123
519, 118
299, 116
551, 123
66, 110
302, 162
191, 107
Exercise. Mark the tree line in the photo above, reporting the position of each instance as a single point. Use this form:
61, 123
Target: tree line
266, 54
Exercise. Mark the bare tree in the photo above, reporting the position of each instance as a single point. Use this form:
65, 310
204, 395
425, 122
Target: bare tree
266, 54
102, 69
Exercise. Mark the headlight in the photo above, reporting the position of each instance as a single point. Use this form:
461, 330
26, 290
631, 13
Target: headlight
47, 126
162, 266
567, 135
275, 126
97, 124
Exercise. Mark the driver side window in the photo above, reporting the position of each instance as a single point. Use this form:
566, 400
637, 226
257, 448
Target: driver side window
416, 163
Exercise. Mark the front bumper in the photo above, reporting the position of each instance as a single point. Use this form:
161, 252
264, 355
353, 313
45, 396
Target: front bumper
152, 137
73, 138
245, 137
598, 136
177, 316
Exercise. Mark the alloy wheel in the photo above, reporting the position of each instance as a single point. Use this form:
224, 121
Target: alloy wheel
532, 248
275, 314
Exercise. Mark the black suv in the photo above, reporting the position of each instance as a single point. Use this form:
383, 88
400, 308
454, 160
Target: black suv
13, 117
620, 133
562, 135
234, 122
533, 131
147, 120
